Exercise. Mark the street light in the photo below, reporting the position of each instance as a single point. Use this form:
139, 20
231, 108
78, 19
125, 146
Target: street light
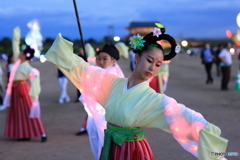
184, 43
116, 38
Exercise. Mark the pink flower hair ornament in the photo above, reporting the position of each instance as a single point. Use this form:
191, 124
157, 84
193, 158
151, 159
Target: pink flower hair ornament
156, 32
28, 54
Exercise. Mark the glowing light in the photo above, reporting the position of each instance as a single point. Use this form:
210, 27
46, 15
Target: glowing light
229, 34
232, 50
168, 110
97, 49
189, 51
42, 58
184, 43
176, 129
197, 126
34, 37
80, 90
183, 141
87, 76
95, 88
238, 19
116, 38
194, 148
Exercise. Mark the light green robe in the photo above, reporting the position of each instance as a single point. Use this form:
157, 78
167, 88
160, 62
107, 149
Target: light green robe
26, 72
139, 107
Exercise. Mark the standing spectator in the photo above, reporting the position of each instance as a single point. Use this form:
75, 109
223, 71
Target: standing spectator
226, 62
207, 60
217, 60
62, 81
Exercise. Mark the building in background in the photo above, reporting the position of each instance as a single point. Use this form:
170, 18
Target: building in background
140, 27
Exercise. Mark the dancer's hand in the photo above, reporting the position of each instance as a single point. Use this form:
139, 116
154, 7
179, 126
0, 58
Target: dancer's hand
43, 59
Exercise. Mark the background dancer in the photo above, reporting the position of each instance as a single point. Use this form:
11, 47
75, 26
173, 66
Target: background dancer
63, 82
23, 115
96, 123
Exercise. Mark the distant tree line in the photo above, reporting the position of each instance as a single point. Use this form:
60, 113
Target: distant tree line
6, 44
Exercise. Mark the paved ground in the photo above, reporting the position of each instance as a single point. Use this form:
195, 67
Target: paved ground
186, 85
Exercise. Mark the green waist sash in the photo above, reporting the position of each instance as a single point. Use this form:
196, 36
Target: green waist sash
119, 136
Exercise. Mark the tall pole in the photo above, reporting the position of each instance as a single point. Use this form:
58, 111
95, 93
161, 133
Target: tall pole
80, 30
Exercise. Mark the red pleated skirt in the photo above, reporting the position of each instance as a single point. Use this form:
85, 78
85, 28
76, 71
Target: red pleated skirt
154, 84
137, 150
18, 123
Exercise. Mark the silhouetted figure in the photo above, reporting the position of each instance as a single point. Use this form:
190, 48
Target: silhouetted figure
62, 81
207, 60
217, 60
226, 62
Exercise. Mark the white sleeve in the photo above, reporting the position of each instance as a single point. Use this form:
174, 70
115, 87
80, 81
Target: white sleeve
191, 130
92, 81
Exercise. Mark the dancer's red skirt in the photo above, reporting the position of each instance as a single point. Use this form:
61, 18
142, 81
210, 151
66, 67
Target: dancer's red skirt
137, 150
18, 123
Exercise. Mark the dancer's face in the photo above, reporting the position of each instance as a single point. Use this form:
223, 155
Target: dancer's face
22, 56
80, 51
148, 64
104, 60
97, 60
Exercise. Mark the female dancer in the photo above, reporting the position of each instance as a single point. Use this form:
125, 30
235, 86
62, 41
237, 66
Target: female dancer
132, 105
106, 59
23, 115
96, 123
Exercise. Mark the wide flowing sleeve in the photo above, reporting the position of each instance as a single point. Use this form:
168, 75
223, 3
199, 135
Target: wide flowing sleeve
34, 77
34, 92
192, 131
92, 81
